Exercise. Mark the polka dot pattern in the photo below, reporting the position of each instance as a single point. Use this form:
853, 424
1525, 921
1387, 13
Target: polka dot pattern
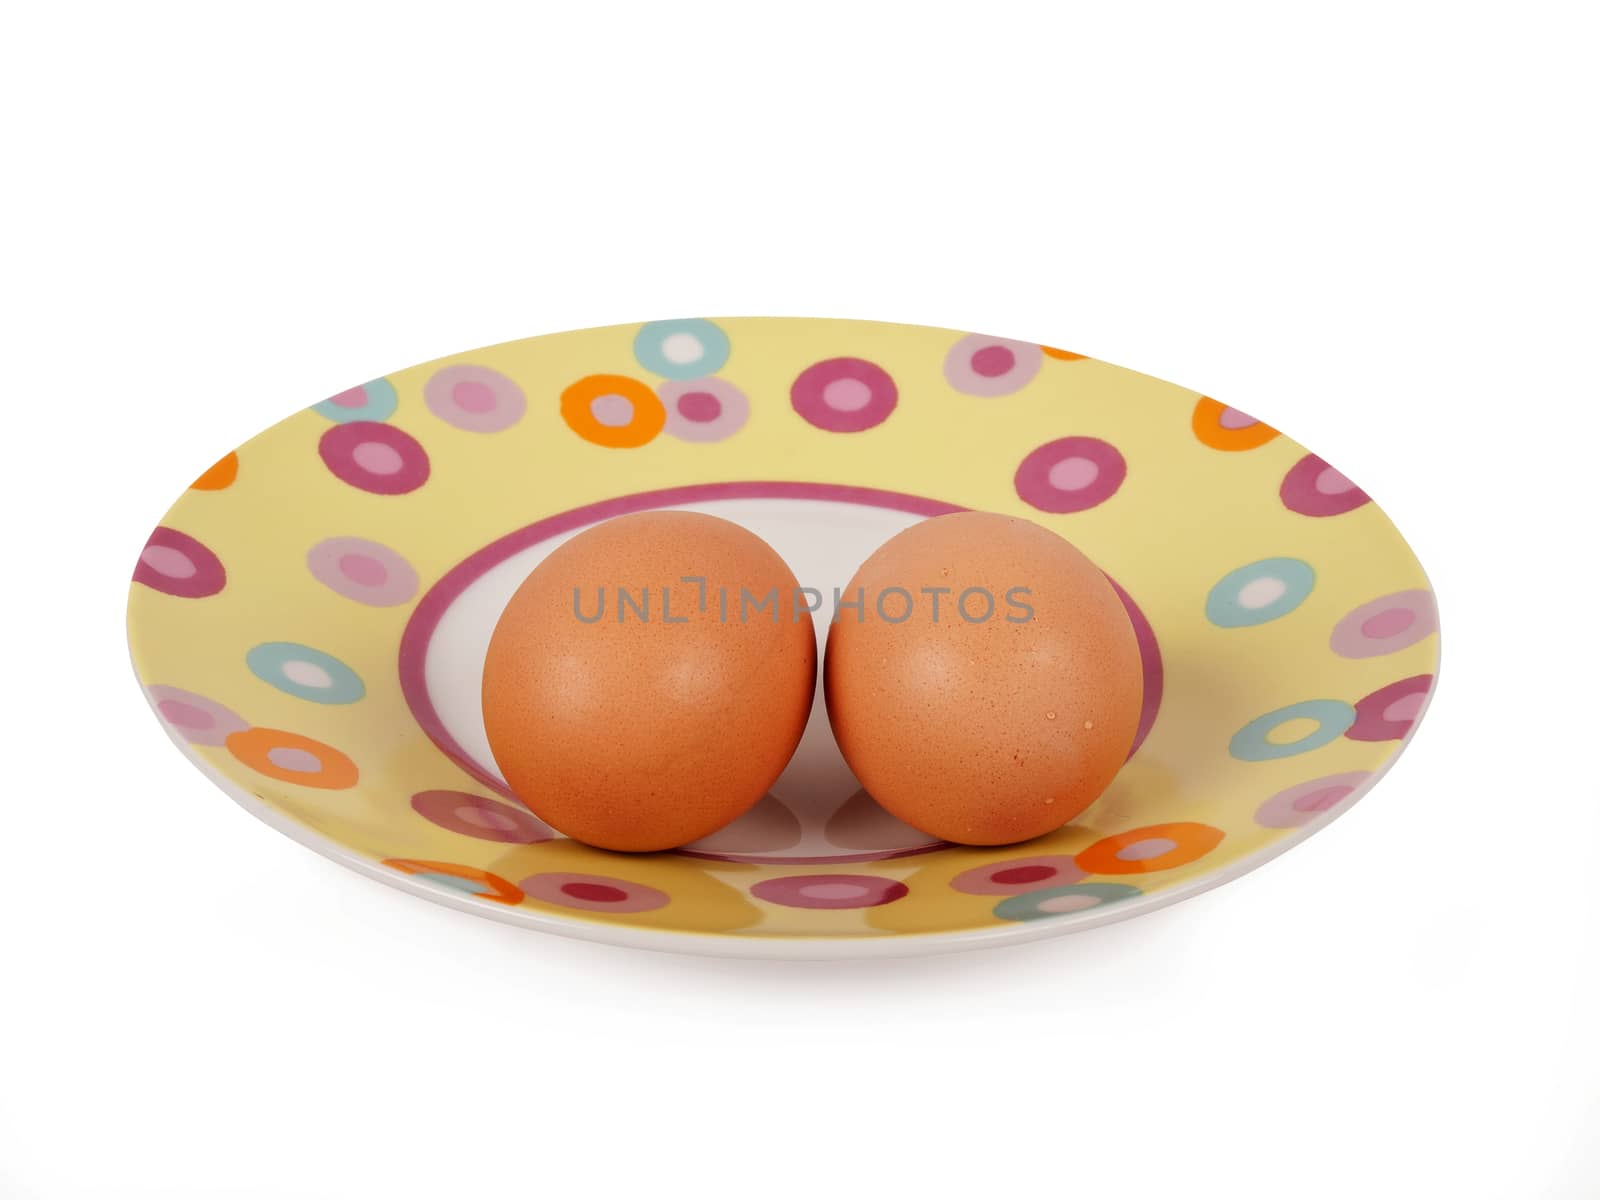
197, 720
1312, 724
479, 817
364, 571
1314, 489
1389, 713
179, 565
1305, 802
376, 458
305, 672
1386, 625
704, 410
365, 584
1071, 474
829, 891
844, 395
1059, 901
477, 399
1012, 876
989, 366
292, 758
1151, 848
684, 349
613, 411
593, 893
375, 401
1259, 592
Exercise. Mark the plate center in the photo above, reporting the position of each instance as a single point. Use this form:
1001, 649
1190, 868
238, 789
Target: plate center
816, 810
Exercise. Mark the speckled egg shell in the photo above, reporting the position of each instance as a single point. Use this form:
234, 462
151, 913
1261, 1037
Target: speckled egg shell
647, 732
992, 730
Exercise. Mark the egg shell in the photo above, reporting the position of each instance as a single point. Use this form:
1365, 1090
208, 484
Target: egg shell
647, 732
983, 731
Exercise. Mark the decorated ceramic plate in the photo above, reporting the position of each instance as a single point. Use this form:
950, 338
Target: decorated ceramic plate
310, 620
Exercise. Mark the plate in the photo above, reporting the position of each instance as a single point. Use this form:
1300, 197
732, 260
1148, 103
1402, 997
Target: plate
309, 621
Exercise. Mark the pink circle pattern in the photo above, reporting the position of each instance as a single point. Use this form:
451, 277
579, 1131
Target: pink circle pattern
1385, 625
990, 366
1013, 876
703, 410
374, 457
1304, 802
364, 571
480, 817
477, 399
179, 565
829, 891
593, 893
1389, 713
196, 719
1314, 489
844, 395
1071, 474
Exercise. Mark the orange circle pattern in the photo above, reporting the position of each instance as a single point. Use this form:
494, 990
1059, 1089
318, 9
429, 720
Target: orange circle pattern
253, 747
1191, 841
649, 414
1208, 427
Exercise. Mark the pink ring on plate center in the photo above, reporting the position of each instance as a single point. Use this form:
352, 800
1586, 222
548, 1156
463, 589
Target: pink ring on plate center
819, 827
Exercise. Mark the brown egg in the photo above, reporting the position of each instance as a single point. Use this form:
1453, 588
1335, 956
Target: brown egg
659, 720
1000, 714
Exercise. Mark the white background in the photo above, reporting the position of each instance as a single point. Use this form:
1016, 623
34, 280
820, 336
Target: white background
1371, 224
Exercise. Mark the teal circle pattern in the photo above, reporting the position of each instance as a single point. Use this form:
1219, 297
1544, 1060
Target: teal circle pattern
1333, 717
1232, 606
472, 887
305, 672
375, 401
1061, 901
687, 349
